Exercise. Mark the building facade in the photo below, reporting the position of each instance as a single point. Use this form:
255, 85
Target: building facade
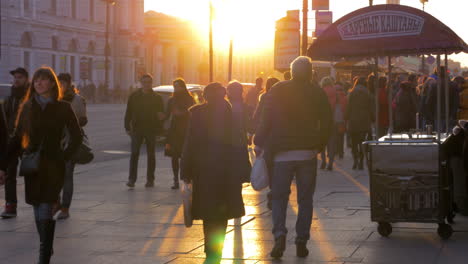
173, 50
69, 36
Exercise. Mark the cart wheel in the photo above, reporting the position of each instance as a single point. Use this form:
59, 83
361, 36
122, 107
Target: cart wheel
384, 229
445, 231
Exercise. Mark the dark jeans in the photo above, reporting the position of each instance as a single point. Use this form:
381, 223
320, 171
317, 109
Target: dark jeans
175, 169
356, 144
67, 192
214, 232
340, 140
43, 211
10, 183
283, 174
331, 146
137, 141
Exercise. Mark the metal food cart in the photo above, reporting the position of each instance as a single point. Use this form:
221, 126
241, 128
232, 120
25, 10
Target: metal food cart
409, 178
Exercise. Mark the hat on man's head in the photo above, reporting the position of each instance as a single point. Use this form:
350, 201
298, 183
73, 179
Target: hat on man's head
20, 70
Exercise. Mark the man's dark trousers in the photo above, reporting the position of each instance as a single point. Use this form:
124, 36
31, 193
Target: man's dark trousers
10, 182
137, 141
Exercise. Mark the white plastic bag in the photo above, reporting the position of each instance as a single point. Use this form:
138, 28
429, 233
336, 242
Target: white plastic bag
259, 175
186, 190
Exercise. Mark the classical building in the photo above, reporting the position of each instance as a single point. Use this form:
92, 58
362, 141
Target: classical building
69, 36
173, 50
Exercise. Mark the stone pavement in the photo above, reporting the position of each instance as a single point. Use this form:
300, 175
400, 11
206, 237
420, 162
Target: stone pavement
111, 224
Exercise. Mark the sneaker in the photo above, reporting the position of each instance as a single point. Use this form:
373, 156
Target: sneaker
175, 187
301, 250
330, 167
10, 211
131, 184
149, 184
64, 214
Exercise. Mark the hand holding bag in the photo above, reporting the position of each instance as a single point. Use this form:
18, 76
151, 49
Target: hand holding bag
186, 191
30, 162
259, 175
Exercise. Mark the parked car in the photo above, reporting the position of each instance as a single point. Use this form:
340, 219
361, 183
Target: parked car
5, 90
196, 90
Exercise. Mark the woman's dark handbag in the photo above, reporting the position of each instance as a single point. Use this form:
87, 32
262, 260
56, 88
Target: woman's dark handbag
30, 162
84, 154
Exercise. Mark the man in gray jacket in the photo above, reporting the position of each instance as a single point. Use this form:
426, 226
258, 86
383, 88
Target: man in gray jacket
294, 127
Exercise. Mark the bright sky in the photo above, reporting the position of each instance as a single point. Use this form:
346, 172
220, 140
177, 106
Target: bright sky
252, 22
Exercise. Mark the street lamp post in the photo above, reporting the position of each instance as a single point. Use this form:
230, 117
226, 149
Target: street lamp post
211, 41
305, 9
107, 47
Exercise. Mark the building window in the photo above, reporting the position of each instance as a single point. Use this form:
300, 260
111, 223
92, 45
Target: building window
53, 7
73, 8
91, 10
136, 51
72, 66
91, 47
73, 46
27, 60
54, 64
90, 69
26, 40
54, 44
26, 4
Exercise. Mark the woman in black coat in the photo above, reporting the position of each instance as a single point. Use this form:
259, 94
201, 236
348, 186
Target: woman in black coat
177, 110
41, 122
208, 163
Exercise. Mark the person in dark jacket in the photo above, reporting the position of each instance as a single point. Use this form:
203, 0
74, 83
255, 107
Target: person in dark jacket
360, 115
252, 95
405, 108
12, 103
259, 110
177, 110
78, 105
383, 106
294, 128
143, 121
431, 101
42, 119
241, 127
3, 136
208, 163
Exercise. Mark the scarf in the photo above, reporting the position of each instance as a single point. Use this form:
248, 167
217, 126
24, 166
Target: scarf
42, 101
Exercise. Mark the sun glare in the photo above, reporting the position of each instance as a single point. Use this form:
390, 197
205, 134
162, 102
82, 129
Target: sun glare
250, 23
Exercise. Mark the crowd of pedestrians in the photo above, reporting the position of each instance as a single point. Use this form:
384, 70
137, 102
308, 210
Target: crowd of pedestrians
288, 122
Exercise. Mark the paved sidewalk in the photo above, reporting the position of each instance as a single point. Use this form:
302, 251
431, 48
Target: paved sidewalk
111, 224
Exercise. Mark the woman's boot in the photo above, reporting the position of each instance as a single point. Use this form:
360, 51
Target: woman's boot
46, 235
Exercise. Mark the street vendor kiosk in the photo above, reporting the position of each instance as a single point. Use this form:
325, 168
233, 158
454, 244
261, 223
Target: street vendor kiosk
408, 172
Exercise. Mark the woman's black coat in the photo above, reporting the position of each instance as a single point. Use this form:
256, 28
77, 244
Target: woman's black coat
47, 126
179, 121
209, 162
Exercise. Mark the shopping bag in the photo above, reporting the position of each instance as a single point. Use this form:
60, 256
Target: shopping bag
84, 154
186, 190
259, 175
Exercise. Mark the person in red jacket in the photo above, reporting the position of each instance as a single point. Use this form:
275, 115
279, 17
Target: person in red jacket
337, 100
